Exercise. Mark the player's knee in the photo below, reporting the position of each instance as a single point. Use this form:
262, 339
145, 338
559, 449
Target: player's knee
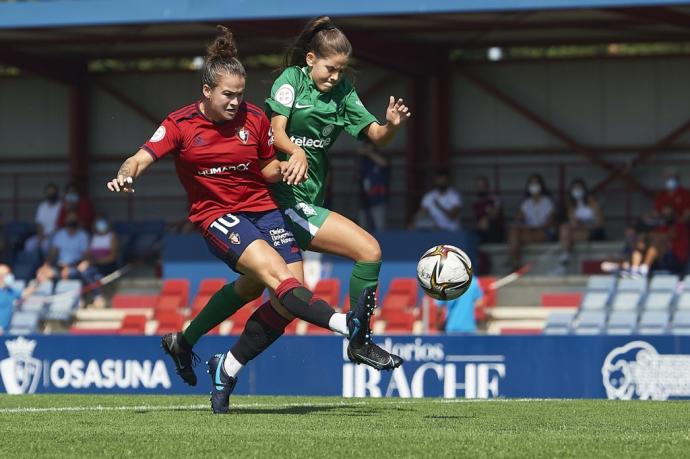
369, 252
249, 289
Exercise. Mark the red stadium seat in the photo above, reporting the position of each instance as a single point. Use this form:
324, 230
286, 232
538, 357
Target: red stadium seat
169, 303
291, 329
121, 301
239, 319
179, 287
133, 324
328, 290
402, 294
521, 331
169, 322
398, 321
207, 288
561, 299
345, 303
316, 330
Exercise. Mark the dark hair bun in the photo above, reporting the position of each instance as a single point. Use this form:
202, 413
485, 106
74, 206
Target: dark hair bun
223, 46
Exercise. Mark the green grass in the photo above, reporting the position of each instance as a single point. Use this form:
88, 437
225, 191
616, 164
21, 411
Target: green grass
334, 427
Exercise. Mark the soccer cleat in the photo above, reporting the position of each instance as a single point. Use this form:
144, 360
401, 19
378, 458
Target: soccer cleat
222, 385
374, 356
185, 359
359, 318
361, 349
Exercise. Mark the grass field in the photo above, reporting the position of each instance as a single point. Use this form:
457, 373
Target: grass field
138, 426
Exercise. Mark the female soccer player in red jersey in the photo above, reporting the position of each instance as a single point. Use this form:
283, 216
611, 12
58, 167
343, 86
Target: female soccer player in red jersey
311, 103
223, 156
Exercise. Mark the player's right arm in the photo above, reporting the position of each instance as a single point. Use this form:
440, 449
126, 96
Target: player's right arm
130, 169
166, 139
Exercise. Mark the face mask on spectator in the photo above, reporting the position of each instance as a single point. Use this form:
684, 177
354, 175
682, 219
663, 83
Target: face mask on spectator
71, 197
101, 226
671, 183
578, 193
8, 280
534, 189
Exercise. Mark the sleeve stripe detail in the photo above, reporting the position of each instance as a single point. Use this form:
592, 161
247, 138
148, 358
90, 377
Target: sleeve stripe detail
150, 152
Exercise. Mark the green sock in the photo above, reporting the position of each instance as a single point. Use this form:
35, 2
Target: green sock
364, 274
224, 303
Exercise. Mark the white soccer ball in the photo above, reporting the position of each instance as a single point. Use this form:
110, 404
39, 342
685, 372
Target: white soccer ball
444, 272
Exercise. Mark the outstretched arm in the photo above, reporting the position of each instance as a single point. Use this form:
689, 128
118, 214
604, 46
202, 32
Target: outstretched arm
297, 166
396, 114
130, 169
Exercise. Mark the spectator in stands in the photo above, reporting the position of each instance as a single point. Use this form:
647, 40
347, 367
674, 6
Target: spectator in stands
673, 195
10, 296
46, 220
69, 248
374, 180
460, 311
585, 220
78, 203
534, 221
488, 213
440, 207
103, 247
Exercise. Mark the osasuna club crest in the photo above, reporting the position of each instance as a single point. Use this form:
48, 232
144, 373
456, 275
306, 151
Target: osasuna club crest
234, 238
21, 371
243, 134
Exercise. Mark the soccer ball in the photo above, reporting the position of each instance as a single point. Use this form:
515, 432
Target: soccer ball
444, 272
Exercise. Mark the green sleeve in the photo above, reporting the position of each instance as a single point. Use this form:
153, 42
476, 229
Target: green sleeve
283, 92
357, 117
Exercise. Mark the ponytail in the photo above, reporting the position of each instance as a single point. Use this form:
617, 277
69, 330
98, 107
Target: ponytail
221, 58
319, 36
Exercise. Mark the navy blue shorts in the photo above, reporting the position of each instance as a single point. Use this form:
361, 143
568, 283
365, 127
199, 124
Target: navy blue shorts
228, 236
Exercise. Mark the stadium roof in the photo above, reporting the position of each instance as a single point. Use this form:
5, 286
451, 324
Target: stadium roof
77, 30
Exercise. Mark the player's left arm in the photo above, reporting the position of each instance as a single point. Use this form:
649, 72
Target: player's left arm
272, 169
396, 114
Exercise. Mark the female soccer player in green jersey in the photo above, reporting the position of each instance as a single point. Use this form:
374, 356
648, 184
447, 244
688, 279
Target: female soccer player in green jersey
310, 104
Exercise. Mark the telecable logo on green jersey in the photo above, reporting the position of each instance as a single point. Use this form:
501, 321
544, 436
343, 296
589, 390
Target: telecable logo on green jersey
306, 142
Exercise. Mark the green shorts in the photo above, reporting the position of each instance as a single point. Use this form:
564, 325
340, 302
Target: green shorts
304, 220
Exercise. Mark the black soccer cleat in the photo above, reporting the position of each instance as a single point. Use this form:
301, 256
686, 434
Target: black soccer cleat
222, 385
361, 349
374, 356
359, 318
184, 359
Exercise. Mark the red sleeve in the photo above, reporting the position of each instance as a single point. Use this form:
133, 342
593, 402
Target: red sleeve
266, 150
166, 139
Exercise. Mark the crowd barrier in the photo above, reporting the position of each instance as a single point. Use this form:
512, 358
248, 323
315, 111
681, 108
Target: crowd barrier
475, 367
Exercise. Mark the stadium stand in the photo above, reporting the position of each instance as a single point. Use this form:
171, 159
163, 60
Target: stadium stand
24, 322
590, 323
653, 323
558, 323
681, 323
622, 323
328, 290
133, 324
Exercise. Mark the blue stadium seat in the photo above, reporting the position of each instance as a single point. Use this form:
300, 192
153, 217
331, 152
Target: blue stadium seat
683, 302
34, 303
601, 282
68, 285
621, 323
62, 308
558, 323
632, 285
658, 301
664, 282
24, 322
681, 323
653, 323
590, 323
595, 300
626, 300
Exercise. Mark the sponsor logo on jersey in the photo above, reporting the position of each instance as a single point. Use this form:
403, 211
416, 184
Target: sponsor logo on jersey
158, 135
327, 130
271, 140
306, 209
285, 95
306, 142
281, 236
225, 169
198, 140
298, 105
243, 134
234, 238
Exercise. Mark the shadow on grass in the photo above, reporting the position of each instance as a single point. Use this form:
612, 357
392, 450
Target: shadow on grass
339, 410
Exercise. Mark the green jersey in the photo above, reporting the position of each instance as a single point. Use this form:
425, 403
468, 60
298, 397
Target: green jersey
315, 119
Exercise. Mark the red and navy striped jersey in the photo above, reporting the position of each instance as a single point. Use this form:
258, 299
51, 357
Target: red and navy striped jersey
217, 163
